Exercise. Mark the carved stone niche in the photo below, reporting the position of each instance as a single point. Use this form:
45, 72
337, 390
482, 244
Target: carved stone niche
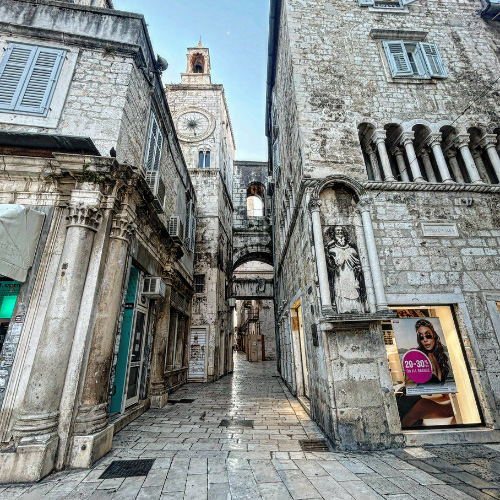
349, 274
340, 224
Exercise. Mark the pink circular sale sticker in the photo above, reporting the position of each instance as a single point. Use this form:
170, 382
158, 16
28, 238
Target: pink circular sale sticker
417, 366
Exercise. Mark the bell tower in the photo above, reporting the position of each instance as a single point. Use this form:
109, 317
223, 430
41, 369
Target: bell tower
198, 66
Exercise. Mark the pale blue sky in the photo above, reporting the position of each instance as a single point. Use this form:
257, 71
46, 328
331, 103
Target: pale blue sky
235, 31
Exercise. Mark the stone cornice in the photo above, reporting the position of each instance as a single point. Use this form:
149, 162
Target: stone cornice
429, 186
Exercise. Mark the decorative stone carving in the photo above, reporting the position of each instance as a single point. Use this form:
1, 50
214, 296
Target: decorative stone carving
344, 271
122, 229
81, 215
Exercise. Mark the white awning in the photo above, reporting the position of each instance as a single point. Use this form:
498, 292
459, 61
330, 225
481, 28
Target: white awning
20, 229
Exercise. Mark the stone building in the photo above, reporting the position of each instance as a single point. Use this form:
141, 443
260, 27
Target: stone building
253, 276
203, 125
383, 125
96, 278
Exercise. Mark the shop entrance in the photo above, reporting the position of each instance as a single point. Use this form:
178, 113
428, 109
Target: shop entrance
133, 335
302, 373
429, 370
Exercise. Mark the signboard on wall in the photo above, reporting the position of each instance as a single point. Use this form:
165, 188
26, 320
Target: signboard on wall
197, 347
424, 356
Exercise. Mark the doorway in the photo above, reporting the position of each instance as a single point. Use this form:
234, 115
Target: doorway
302, 373
133, 335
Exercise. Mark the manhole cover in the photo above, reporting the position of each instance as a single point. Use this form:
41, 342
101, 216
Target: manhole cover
236, 423
127, 468
317, 445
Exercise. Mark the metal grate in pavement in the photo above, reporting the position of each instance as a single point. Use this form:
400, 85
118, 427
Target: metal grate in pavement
182, 401
127, 468
317, 445
186, 401
236, 423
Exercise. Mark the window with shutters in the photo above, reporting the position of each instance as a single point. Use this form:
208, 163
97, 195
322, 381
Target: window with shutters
28, 76
414, 59
387, 5
154, 145
199, 283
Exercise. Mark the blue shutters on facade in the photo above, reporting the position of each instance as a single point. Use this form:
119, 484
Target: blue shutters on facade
28, 76
397, 58
433, 61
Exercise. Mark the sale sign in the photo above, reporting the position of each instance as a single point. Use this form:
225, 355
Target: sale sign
417, 366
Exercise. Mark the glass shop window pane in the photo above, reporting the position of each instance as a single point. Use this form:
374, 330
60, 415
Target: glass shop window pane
429, 374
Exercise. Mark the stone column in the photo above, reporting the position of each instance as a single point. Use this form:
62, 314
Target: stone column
179, 342
451, 154
478, 160
374, 163
434, 141
92, 415
400, 160
185, 361
319, 247
39, 416
426, 161
488, 142
462, 141
172, 331
378, 138
378, 282
159, 349
407, 142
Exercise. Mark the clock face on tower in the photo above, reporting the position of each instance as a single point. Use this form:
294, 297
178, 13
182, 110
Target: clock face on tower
194, 125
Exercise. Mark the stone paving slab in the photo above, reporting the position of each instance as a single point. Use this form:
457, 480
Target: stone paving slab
195, 459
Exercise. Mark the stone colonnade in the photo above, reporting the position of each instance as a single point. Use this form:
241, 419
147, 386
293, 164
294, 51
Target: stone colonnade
419, 162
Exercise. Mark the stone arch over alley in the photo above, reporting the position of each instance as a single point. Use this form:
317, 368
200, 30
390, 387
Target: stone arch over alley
253, 276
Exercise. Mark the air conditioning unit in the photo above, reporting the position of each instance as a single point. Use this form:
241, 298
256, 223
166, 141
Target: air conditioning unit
157, 186
154, 287
176, 228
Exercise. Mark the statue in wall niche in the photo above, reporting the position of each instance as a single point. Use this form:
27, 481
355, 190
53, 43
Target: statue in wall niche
344, 272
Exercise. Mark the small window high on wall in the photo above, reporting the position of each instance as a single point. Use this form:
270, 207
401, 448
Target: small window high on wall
204, 159
429, 371
256, 200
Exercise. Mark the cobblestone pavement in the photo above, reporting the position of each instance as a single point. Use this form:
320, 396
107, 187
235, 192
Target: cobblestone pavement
195, 458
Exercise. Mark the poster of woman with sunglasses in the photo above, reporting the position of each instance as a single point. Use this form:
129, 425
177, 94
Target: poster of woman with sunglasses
428, 377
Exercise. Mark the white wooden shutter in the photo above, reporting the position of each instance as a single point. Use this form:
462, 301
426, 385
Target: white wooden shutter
13, 71
406, 2
154, 145
397, 57
276, 158
432, 59
187, 222
365, 3
40, 81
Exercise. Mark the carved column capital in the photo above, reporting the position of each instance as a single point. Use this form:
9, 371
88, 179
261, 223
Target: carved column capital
434, 138
122, 228
407, 137
450, 153
396, 150
424, 151
379, 136
315, 205
364, 205
462, 140
488, 141
86, 216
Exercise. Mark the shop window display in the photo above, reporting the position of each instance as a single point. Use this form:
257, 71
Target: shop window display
9, 290
429, 374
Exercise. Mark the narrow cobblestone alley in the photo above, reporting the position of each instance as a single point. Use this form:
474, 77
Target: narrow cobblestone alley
194, 457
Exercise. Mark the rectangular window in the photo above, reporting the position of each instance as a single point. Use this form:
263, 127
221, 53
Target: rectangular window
414, 59
204, 159
429, 373
154, 145
199, 283
385, 4
28, 76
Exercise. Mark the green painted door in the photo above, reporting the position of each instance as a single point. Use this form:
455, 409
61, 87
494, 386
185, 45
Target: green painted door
121, 364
